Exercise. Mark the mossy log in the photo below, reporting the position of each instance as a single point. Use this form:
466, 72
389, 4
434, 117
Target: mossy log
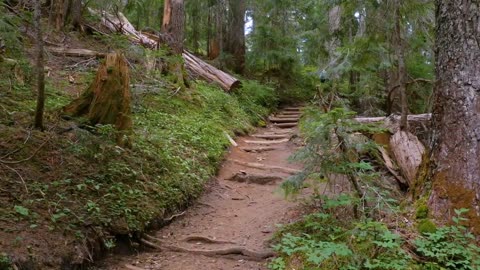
107, 100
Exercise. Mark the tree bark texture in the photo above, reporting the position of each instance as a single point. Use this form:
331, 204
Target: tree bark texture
40, 69
107, 100
456, 114
236, 35
173, 24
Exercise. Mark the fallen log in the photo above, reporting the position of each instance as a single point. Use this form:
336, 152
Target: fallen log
210, 73
265, 167
195, 65
75, 52
243, 177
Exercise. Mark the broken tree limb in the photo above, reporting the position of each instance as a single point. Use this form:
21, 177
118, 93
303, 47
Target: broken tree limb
391, 167
230, 139
75, 52
265, 167
195, 65
408, 152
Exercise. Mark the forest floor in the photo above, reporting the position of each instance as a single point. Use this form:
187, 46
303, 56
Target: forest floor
231, 213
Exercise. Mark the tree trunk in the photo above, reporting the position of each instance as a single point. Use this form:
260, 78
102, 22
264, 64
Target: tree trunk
236, 35
456, 114
57, 14
173, 29
107, 100
400, 53
40, 68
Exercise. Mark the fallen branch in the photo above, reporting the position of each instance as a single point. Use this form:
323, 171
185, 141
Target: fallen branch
392, 122
26, 159
75, 52
230, 139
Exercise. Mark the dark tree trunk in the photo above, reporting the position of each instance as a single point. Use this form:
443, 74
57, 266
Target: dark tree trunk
40, 69
401, 71
173, 24
456, 113
236, 35
173, 28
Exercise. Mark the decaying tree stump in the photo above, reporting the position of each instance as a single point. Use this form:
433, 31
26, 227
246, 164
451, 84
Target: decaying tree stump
107, 100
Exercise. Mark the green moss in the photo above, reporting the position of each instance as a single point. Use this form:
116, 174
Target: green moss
426, 226
422, 211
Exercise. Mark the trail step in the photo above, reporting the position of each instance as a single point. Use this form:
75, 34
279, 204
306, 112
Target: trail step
261, 166
272, 136
283, 120
267, 142
286, 125
288, 116
293, 109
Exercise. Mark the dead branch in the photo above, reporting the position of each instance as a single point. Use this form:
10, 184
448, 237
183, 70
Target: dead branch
26, 159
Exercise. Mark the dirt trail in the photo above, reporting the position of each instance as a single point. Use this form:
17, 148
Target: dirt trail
238, 214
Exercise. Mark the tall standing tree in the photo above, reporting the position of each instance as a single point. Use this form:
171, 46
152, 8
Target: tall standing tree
236, 35
173, 29
40, 69
456, 114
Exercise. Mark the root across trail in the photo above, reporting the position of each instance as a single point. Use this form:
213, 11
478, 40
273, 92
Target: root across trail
232, 224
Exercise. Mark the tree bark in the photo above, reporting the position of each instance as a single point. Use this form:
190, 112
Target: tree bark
107, 100
401, 71
173, 28
456, 114
40, 67
236, 35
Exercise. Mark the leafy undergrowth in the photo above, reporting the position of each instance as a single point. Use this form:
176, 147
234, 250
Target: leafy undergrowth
363, 226
69, 191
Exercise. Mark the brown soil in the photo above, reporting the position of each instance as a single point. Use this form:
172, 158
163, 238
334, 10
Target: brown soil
243, 213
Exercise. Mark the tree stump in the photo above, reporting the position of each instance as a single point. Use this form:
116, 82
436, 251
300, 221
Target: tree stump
107, 100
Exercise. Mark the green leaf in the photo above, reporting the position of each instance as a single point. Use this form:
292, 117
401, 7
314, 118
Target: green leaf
22, 210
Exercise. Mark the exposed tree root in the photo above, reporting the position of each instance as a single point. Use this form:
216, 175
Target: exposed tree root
249, 254
175, 216
265, 167
205, 239
259, 149
243, 177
